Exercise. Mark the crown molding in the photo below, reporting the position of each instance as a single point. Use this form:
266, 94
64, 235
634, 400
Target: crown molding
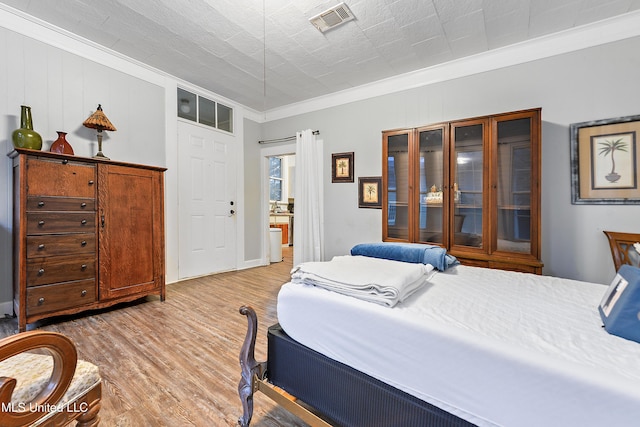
606, 31
29, 26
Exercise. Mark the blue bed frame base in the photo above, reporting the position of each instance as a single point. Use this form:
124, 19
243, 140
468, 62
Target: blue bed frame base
342, 395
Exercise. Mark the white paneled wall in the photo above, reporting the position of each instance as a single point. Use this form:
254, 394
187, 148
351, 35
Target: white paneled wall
63, 89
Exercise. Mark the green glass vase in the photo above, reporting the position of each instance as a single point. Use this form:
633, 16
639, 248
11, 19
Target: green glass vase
25, 136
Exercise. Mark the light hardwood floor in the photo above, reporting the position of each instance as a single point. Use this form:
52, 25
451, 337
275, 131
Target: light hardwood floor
175, 363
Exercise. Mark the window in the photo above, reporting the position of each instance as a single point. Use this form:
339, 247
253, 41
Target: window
207, 109
275, 179
186, 105
204, 111
225, 118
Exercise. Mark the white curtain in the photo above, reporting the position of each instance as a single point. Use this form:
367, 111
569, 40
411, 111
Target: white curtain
308, 226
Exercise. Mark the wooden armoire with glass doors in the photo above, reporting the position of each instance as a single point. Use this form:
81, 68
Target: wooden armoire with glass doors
471, 186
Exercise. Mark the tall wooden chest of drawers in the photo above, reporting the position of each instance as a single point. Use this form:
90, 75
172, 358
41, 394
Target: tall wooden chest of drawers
88, 234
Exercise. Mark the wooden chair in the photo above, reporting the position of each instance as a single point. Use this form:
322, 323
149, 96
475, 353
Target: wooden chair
622, 248
42, 382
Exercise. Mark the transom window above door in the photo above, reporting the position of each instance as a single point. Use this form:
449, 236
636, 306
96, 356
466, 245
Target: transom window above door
204, 111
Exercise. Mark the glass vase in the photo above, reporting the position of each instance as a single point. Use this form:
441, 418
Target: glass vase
25, 136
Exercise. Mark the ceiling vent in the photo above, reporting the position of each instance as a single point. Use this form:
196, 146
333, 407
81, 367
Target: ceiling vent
333, 17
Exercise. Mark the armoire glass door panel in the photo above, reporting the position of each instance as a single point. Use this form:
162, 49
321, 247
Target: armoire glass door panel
398, 186
468, 185
471, 186
431, 181
514, 185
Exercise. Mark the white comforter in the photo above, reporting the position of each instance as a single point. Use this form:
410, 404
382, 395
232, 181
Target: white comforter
496, 348
375, 280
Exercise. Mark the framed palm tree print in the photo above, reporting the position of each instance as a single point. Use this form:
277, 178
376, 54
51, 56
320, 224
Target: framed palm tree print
342, 167
605, 160
369, 192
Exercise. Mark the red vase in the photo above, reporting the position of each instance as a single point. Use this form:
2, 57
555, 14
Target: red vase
60, 145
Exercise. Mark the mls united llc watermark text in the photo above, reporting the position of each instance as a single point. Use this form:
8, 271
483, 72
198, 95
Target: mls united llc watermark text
45, 408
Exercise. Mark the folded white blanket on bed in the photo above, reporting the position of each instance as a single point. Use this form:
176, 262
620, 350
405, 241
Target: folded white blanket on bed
375, 280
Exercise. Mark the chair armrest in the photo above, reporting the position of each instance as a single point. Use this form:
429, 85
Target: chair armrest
622, 248
65, 358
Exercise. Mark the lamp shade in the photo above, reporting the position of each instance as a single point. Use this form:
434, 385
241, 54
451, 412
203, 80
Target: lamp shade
99, 121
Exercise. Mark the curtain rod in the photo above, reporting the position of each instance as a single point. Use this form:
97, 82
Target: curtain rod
287, 138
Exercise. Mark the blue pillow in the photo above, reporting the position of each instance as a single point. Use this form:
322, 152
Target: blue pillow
620, 305
407, 252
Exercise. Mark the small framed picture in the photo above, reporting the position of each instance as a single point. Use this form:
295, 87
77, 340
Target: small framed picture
369, 192
342, 167
604, 161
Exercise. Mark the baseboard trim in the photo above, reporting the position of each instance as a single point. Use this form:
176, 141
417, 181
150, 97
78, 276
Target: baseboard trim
253, 263
6, 308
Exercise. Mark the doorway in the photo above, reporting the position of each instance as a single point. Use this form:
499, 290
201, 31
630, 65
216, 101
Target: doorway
206, 200
282, 195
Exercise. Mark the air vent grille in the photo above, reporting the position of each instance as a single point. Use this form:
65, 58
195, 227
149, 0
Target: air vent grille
333, 17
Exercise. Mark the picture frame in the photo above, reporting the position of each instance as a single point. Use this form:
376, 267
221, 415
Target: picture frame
370, 192
612, 295
605, 161
342, 165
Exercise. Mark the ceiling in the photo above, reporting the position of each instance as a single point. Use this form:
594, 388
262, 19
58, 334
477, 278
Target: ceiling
265, 54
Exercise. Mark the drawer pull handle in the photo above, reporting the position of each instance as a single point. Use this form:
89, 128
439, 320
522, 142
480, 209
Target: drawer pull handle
65, 161
90, 182
40, 204
40, 300
83, 243
83, 267
40, 223
83, 205
41, 246
83, 222
41, 272
83, 293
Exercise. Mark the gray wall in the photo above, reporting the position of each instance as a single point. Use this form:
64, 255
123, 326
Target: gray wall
595, 83
252, 204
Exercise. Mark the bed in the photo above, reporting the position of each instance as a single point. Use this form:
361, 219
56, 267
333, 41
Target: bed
472, 346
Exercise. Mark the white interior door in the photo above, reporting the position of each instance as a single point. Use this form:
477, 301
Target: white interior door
207, 201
